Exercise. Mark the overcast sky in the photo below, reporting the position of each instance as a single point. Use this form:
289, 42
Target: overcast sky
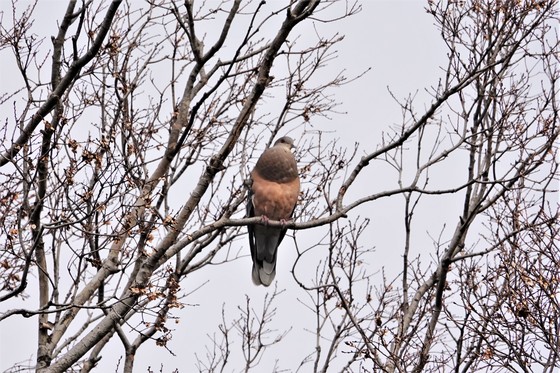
398, 41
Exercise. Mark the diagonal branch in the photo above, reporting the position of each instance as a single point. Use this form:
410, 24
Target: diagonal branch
62, 86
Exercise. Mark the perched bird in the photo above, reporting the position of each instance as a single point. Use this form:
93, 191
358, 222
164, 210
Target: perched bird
273, 195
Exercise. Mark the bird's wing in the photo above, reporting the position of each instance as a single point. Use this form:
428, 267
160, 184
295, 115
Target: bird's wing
250, 212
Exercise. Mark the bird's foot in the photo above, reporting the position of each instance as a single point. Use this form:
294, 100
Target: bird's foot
265, 219
285, 221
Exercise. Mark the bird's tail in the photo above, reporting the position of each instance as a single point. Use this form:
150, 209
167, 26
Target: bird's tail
263, 272
267, 240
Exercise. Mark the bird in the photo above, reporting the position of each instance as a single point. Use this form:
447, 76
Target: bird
273, 195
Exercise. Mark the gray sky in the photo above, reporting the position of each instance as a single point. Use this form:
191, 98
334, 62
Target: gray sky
398, 41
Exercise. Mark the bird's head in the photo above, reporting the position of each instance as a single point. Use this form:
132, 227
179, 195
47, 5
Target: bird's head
285, 141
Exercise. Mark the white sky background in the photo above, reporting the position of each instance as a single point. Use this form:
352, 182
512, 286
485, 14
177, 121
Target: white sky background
398, 41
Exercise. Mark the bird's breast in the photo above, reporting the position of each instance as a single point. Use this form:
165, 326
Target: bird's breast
275, 200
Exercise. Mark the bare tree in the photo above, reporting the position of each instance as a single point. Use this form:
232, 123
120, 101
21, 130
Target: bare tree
487, 294
125, 159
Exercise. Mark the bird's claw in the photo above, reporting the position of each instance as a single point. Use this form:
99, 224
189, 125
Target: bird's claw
285, 221
265, 219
